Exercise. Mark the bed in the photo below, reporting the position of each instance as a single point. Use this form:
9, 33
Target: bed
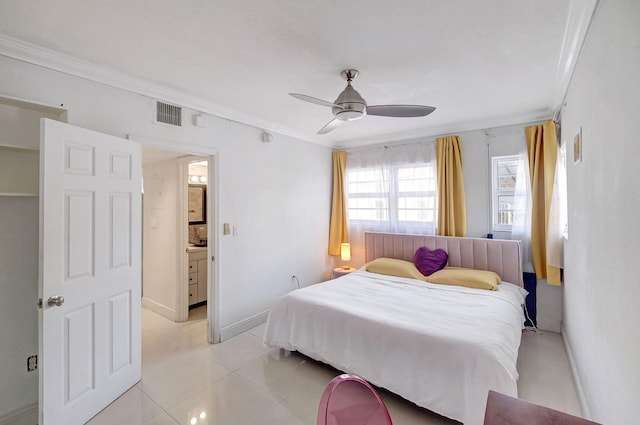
442, 347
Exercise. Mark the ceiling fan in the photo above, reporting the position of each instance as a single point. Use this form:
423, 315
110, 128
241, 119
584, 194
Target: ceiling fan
350, 106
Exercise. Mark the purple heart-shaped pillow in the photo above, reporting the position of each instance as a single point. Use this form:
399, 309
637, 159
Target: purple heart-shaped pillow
428, 261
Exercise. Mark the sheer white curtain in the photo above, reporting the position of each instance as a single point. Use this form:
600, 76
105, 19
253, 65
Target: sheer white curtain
391, 189
521, 225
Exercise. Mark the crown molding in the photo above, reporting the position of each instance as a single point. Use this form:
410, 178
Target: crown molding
459, 127
47, 58
579, 19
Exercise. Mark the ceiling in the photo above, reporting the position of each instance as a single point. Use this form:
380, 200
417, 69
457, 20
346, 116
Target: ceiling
481, 64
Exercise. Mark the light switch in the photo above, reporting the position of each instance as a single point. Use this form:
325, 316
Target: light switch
226, 229
235, 231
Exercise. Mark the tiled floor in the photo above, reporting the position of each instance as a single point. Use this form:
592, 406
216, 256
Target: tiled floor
187, 381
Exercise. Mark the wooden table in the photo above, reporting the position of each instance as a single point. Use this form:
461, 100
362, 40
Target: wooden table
505, 410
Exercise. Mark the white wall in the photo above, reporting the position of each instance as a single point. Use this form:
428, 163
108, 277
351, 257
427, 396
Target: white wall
601, 257
278, 198
277, 194
160, 235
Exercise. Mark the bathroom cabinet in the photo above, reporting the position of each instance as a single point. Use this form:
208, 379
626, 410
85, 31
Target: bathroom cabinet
197, 275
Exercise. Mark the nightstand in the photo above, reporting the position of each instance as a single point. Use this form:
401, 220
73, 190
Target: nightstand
339, 271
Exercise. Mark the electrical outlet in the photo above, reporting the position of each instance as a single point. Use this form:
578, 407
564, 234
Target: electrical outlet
32, 363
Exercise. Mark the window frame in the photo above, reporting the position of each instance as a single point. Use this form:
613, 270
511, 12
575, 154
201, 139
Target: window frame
496, 193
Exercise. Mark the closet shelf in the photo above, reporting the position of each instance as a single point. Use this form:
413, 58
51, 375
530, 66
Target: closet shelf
22, 194
18, 147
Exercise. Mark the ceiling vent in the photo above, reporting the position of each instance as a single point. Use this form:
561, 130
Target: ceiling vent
168, 114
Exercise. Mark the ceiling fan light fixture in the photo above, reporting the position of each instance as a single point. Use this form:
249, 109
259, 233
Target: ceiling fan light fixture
349, 115
351, 106
350, 111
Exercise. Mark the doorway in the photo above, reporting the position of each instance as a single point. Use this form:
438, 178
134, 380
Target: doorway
179, 273
197, 224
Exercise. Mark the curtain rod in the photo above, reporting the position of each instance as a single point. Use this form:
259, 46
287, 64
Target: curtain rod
431, 139
388, 145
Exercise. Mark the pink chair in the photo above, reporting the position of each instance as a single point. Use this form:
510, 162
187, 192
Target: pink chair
350, 400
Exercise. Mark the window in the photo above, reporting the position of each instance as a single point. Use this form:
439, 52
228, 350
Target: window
367, 191
504, 171
392, 196
416, 194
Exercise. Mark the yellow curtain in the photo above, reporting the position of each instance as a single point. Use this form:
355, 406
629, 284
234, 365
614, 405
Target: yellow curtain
542, 149
338, 231
452, 210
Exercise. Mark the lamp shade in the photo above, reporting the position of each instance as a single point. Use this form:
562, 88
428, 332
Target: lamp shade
345, 251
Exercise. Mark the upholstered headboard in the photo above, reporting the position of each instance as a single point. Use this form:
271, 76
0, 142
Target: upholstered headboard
501, 256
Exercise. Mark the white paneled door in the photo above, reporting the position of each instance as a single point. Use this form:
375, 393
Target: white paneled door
90, 273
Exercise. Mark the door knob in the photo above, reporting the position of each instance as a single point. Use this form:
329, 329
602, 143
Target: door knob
56, 300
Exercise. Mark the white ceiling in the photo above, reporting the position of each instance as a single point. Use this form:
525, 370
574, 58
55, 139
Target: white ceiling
481, 63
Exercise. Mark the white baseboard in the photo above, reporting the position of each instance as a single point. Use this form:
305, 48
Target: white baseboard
21, 416
243, 326
156, 307
549, 325
576, 377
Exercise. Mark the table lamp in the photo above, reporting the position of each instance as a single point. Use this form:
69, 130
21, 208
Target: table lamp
345, 253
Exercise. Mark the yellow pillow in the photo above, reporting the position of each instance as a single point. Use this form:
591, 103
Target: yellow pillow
471, 278
394, 267
488, 272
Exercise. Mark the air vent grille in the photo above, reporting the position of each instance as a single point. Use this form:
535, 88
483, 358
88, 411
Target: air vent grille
169, 114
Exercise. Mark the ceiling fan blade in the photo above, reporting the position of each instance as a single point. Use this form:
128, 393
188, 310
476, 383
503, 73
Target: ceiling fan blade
314, 100
400, 110
330, 126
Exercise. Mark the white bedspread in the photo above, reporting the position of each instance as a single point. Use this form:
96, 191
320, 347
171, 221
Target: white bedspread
441, 347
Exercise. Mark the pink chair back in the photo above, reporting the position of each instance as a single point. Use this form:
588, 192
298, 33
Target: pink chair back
350, 400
